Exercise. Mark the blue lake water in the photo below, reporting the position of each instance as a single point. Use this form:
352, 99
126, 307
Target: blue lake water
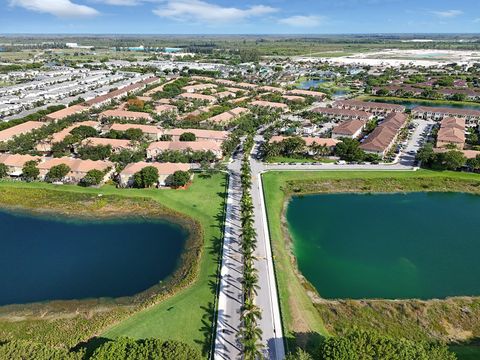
44, 259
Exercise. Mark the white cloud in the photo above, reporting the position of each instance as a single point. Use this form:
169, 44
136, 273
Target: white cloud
448, 13
302, 21
121, 2
60, 8
201, 11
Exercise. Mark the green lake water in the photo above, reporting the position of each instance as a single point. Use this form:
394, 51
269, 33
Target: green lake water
45, 258
412, 104
393, 246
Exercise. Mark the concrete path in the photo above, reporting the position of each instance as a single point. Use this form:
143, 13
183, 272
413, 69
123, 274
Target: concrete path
230, 300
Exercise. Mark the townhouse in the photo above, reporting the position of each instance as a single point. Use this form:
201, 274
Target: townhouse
376, 108
21, 129
337, 114
199, 97
15, 163
117, 145
152, 132
299, 92
62, 114
451, 132
156, 148
126, 115
349, 129
228, 116
381, 140
472, 117
78, 168
309, 141
165, 170
270, 105
200, 134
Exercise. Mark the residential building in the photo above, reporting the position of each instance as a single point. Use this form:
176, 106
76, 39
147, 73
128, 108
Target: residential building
270, 105
117, 145
309, 141
126, 115
165, 170
62, 114
343, 114
156, 148
384, 136
451, 132
207, 98
376, 108
348, 129
15, 162
472, 117
200, 134
24, 128
228, 116
153, 132
299, 92
78, 167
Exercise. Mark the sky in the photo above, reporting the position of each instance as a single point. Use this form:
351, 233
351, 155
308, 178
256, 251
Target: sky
239, 17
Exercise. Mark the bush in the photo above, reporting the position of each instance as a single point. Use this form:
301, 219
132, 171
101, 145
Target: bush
364, 345
30, 171
146, 177
3, 171
146, 349
57, 173
99, 152
188, 136
92, 178
179, 179
27, 350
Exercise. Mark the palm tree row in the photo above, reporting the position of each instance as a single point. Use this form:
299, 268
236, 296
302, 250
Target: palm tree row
250, 334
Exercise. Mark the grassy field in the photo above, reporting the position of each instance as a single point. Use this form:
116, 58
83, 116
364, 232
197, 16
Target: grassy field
186, 315
305, 322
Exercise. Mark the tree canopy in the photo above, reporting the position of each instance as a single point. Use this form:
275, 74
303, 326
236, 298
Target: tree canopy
146, 177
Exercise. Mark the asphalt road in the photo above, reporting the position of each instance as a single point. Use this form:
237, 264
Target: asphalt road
230, 300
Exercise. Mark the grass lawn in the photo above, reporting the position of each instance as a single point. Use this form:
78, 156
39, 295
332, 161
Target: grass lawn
302, 322
187, 315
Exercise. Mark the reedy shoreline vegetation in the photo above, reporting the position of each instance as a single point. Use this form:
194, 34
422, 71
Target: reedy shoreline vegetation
64, 324
307, 318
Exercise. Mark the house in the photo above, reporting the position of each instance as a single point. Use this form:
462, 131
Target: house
117, 145
294, 98
272, 89
78, 167
309, 141
225, 94
343, 114
126, 115
299, 92
451, 132
156, 148
15, 162
384, 136
228, 116
165, 170
350, 129
200, 134
239, 100
472, 117
24, 128
198, 88
163, 108
376, 108
200, 97
61, 135
62, 114
118, 93
270, 105
151, 131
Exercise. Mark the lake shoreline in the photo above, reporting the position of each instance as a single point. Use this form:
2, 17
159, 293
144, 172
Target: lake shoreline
334, 316
66, 206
